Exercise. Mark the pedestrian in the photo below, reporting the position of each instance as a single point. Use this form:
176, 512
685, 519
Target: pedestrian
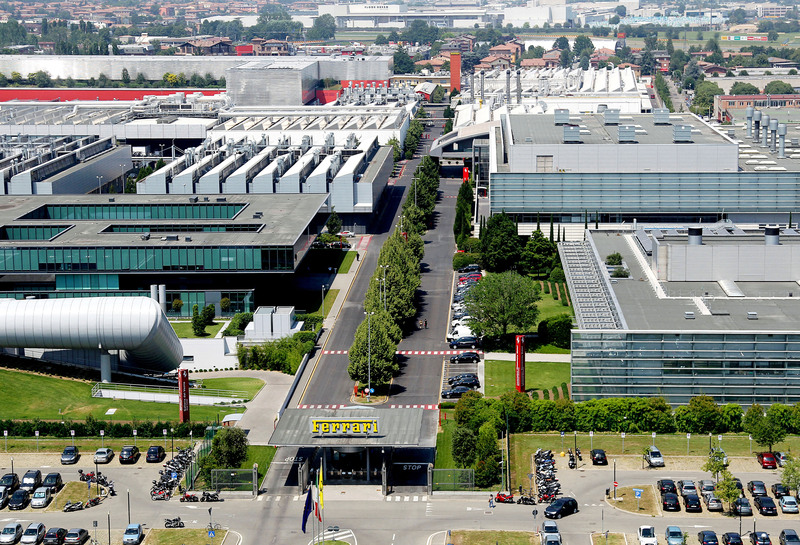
491, 501
358, 257
426, 323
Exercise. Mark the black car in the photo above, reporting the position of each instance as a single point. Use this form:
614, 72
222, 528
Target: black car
765, 505
55, 536
742, 507
76, 536
691, 503
464, 342
470, 268
757, 488
462, 376
707, 537
70, 455
470, 382
779, 490
731, 538
666, 486
155, 454
31, 480
465, 357
10, 481
760, 538
53, 481
561, 508
19, 500
129, 454
599, 457
789, 537
456, 391
669, 502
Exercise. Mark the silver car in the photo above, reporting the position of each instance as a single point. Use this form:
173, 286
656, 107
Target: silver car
11, 533
788, 504
3, 496
41, 497
103, 455
713, 503
34, 533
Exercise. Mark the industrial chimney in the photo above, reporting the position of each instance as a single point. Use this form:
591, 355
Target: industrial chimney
695, 236
772, 236
482, 88
519, 87
757, 121
508, 86
773, 129
749, 114
782, 141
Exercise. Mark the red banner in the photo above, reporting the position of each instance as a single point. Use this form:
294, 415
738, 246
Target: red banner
183, 395
520, 374
465, 174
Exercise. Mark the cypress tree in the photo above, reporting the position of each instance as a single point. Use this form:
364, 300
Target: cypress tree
558, 235
551, 227
585, 219
790, 220
596, 220
539, 225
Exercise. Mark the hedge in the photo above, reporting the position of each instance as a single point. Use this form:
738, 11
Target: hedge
92, 427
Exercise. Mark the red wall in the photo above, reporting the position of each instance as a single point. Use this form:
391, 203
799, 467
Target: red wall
326, 97
455, 71
64, 94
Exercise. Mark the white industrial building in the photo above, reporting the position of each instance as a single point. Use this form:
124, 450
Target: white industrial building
374, 15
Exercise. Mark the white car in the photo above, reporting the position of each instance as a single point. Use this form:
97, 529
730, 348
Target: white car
11, 533
41, 497
34, 533
461, 321
788, 504
347, 234
647, 535
103, 455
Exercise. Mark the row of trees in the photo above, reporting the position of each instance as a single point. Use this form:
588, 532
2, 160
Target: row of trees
282, 355
414, 134
462, 225
91, 428
43, 79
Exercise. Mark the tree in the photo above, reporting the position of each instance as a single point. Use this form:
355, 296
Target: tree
177, 305
380, 39
208, 315
198, 325
464, 442
701, 415
614, 20
778, 87
790, 474
562, 43
396, 153
126, 77
538, 253
715, 463
704, 97
225, 304
767, 433
438, 94
583, 45
614, 259
565, 58
501, 300
726, 488
229, 447
403, 64
621, 10
324, 28
772, 36
500, 244
372, 354
334, 223
741, 88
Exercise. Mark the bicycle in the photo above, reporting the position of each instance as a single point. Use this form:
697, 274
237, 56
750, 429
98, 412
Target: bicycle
214, 526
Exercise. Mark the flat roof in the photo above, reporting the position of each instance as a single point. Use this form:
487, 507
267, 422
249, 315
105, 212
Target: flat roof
642, 309
283, 219
397, 427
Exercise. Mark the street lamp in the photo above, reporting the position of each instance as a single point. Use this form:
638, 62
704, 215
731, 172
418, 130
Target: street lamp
99, 187
369, 354
172, 438
323, 301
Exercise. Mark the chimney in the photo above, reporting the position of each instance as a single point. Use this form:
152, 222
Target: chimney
764, 130
519, 87
695, 236
773, 128
772, 236
782, 141
757, 121
508, 86
483, 73
455, 71
749, 114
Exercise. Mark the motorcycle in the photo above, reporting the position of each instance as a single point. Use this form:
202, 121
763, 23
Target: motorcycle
90, 476
92, 502
156, 495
188, 497
73, 506
173, 523
210, 496
527, 500
502, 497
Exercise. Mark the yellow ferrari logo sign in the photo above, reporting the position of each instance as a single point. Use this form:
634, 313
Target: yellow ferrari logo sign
344, 426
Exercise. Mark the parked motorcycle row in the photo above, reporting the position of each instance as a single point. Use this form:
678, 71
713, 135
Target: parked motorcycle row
547, 486
99, 478
572, 463
171, 475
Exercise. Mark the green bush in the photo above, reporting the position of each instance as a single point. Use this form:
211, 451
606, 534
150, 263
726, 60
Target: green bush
556, 330
555, 392
447, 405
311, 322
471, 246
463, 259
237, 324
614, 259
546, 394
619, 272
305, 336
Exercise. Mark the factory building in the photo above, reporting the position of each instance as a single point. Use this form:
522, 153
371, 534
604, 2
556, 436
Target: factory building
707, 310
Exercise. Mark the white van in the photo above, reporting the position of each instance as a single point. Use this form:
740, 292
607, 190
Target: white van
460, 331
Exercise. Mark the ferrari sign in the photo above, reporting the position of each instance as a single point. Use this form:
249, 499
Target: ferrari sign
343, 427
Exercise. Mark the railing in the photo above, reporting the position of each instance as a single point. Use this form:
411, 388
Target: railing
211, 392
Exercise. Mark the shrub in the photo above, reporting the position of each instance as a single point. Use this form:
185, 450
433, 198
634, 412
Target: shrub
619, 272
463, 259
556, 330
311, 322
225, 304
305, 336
614, 259
177, 305
237, 324
471, 246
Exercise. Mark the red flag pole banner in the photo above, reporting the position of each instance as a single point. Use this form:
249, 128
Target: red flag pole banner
183, 395
520, 360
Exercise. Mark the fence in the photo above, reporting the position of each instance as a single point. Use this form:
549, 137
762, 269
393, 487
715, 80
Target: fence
453, 480
239, 480
201, 450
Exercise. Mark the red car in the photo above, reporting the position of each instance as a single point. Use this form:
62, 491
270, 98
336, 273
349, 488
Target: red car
767, 460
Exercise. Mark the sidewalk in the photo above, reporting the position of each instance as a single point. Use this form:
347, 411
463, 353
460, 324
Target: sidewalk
529, 356
343, 283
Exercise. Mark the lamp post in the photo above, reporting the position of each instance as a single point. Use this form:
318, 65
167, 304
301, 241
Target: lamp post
172, 438
369, 354
99, 187
129, 505
323, 301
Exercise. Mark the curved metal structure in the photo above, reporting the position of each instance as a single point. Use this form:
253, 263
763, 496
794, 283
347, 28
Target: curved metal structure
135, 325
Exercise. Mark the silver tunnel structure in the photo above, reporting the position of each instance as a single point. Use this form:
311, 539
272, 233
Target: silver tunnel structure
135, 326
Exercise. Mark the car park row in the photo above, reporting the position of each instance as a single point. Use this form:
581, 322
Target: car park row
461, 336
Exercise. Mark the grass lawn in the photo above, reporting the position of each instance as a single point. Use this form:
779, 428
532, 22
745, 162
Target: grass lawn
347, 262
444, 442
52, 398
250, 386
647, 503
73, 491
181, 536
500, 376
261, 455
613, 539
549, 349
492, 537
184, 330
549, 307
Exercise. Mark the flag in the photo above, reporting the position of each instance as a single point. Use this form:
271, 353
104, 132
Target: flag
320, 486
307, 509
315, 492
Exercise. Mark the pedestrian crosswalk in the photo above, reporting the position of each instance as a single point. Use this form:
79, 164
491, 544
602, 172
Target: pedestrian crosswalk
304, 406
398, 406
406, 498
412, 352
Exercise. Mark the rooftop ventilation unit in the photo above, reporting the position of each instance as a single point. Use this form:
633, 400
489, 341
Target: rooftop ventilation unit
611, 117
661, 116
572, 134
561, 116
752, 315
688, 315
682, 133
627, 133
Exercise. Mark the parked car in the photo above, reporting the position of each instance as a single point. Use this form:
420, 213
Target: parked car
34, 533
789, 537
4, 496
765, 505
470, 268
347, 233
155, 454
472, 383
757, 488
460, 320
10, 481
779, 490
742, 507
549, 528
133, 534
781, 458
707, 537
647, 535
674, 535
767, 460
455, 392
722, 454
55, 536
552, 540
731, 538
713, 503
465, 357
31, 480
738, 483
462, 376
707, 485
561, 508
129, 454
103, 455
19, 500
70, 455
599, 457
670, 502
691, 503
686, 487
53, 481
760, 538
465, 342
654, 457
76, 536
788, 504
41, 497
11, 533
666, 485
